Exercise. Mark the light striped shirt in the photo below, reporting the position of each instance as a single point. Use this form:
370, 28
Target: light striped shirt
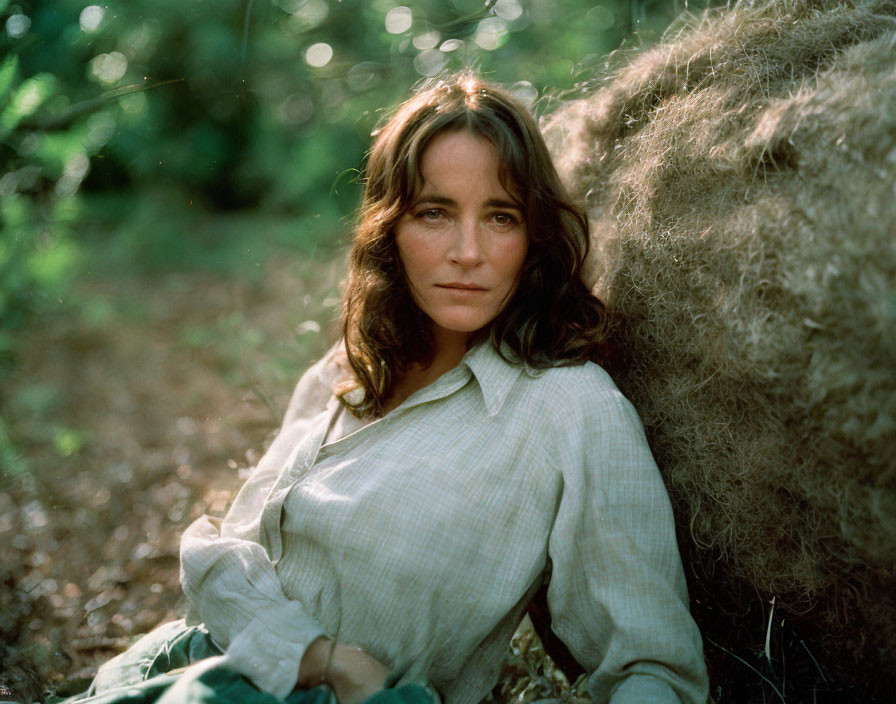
420, 537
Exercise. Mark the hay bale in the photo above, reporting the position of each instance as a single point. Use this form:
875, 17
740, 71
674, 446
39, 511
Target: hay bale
740, 181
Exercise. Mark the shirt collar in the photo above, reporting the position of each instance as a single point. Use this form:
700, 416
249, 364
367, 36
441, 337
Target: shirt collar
495, 376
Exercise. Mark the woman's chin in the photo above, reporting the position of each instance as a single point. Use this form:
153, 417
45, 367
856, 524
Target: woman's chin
465, 327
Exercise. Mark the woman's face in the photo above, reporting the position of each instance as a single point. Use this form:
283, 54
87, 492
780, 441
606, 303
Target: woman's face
463, 241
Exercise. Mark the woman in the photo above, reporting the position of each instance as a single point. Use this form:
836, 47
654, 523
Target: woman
455, 449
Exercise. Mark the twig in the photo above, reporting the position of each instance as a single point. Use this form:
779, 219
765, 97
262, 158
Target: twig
467, 19
85, 106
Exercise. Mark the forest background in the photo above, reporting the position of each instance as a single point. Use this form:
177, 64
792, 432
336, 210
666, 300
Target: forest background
177, 186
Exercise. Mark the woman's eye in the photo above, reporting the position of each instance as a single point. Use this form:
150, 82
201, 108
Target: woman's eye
430, 214
504, 219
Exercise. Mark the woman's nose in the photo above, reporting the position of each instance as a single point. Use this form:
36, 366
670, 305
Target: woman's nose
466, 247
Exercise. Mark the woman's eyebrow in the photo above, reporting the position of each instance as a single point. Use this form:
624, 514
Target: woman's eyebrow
500, 203
432, 198
444, 200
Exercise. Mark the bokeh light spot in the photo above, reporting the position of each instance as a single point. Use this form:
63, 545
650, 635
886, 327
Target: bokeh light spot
9, 184
75, 170
296, 109
110, 67
508, 9
525, 92
90, 18
427, 40
319, 55
451, 45
100, 128
309, 14
491, 33
399, 19
430, 62
133, 103
141, 38
18, 25
363, 75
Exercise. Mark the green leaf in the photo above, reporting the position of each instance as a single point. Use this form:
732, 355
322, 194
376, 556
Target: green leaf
68, 441
26, 99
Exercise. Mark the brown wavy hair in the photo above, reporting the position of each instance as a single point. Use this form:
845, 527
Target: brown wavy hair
552, 319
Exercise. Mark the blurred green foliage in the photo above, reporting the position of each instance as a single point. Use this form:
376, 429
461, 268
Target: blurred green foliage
147, 135
262, 105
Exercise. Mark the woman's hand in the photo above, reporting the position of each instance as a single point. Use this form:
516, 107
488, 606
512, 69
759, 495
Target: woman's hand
351, 673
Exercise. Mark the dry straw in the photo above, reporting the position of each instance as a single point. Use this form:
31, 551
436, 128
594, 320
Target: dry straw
741, 181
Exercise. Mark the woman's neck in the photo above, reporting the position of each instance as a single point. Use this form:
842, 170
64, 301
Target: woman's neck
450, 347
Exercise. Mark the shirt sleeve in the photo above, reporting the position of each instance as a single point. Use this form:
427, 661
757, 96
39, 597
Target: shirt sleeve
228, 577
617, 594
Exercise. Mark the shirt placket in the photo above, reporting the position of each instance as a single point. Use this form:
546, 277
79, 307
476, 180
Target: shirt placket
303, 459
311, 450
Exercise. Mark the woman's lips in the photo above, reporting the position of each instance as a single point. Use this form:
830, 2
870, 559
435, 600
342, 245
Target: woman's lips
462, 291
457, 286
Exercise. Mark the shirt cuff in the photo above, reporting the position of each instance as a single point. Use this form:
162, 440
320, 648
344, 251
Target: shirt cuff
269, 650
640, 689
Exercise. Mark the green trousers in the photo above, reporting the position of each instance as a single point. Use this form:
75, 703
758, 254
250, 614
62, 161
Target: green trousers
179, 664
